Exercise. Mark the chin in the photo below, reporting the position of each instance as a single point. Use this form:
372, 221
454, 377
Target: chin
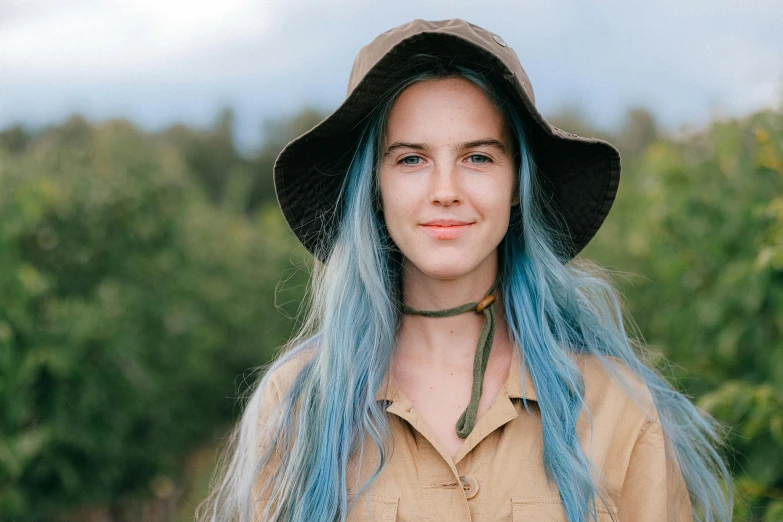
445, 266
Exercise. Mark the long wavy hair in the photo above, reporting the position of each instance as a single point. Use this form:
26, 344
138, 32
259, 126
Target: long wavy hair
553, 309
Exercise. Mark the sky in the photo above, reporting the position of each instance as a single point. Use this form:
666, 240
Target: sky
157, 62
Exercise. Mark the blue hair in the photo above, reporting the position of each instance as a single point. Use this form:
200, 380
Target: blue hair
554, 310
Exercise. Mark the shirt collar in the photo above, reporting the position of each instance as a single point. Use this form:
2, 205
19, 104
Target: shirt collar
519, 384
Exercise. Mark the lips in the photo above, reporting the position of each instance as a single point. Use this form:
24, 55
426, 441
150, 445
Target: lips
446, 223
446, 228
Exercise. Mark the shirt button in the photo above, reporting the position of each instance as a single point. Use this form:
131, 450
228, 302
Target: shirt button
469, 485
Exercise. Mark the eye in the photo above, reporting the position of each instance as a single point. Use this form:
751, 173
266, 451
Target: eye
479, 159
410, 160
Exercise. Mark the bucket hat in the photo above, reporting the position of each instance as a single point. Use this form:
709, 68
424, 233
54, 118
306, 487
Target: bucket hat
579, 176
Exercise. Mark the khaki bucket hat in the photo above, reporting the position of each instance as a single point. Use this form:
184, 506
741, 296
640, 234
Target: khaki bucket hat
579, 176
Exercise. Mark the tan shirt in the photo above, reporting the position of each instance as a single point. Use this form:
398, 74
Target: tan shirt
498, 475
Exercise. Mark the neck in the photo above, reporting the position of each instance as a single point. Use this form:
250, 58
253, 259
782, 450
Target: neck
442, 339
427, 292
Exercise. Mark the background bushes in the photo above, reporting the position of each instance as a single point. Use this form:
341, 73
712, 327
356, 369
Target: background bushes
130, 306
143, 276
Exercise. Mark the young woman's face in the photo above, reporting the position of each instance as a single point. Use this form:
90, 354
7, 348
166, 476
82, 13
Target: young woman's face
447, 176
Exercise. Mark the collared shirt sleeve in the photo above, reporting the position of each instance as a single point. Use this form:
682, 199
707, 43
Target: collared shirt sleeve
653, 490
267, 412
268, 400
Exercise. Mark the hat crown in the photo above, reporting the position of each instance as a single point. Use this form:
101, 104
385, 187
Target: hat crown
371, 54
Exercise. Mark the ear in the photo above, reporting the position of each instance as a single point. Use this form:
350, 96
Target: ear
515, 201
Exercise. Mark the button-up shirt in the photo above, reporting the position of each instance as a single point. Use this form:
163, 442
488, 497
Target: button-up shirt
498, 474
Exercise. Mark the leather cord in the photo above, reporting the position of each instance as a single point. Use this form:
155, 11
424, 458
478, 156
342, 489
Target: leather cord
486, 306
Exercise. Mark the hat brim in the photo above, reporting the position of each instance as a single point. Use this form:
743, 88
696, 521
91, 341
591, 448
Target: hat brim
579, 176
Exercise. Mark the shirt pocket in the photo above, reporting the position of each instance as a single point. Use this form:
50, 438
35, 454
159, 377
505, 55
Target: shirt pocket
547, 510
374, 508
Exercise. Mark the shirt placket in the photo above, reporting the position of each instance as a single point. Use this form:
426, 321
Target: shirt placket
448, 486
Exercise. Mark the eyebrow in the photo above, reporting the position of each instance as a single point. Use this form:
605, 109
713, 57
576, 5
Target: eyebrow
484, 142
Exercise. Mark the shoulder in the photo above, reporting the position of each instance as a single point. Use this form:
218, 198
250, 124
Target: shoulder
280, 375
613, 390
267, 399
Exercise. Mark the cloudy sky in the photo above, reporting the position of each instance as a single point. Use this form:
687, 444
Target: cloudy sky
161, 61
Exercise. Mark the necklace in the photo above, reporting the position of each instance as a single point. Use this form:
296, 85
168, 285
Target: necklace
468, 418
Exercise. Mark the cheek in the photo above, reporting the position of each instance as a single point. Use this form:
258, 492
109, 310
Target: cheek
495, 209
498, 217
396, 205
493, 201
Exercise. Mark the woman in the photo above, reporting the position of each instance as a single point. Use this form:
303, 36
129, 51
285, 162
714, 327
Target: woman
457, 363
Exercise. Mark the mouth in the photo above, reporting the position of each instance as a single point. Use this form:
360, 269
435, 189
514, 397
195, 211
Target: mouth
446, 228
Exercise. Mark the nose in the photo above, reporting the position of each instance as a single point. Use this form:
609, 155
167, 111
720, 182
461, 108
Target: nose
445, 188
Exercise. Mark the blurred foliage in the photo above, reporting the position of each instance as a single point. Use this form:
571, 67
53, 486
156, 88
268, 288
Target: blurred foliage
14, 139
139, 284
700, 221
212, 157
130, 307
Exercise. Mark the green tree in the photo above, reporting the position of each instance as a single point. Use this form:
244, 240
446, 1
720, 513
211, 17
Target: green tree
698, 222
129, 306
15, 139
210, 155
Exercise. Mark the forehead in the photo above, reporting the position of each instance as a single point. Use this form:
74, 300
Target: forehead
448, 108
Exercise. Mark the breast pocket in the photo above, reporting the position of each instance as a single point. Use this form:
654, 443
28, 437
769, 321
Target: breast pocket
546, 510
374, 508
